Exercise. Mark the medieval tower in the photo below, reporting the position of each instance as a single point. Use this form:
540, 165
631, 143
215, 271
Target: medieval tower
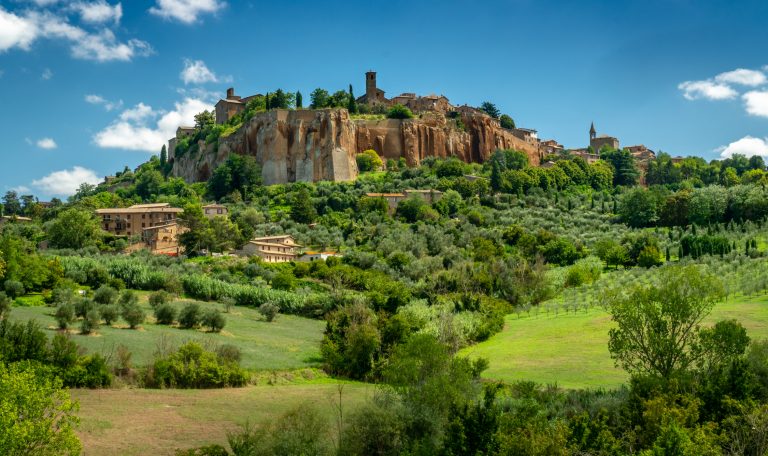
370, 86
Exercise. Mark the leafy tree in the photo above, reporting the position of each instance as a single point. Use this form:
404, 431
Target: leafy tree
133, 314
625, 170
319, 98
105, 295
165, 314
238, 173
351, 341
637, 208
148, 184
65, 315
73, 229
204, 120
658, 325
91, 321
369, 160
302, 209
490, 109
507, 122
11, 203
399, 111
109, 314
756, 162
189, 317
269, 311
14, 288
36, 415
281, 100
213, 320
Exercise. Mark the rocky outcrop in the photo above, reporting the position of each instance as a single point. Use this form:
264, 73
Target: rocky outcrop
313, 145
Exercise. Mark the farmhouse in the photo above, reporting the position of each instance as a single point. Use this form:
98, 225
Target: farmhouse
272, 249
155, 223
215, 210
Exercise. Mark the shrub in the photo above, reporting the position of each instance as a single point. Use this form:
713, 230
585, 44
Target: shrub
61, 295
399, 111
194, 367
65, 315
109, 313
14, 288
229, 353
189, 317
159, 297
133, 315
127, 298
369, 160
105, 295
269, 311
284, 281
5, 305
91, 321
82, 306
213, 320
165, 314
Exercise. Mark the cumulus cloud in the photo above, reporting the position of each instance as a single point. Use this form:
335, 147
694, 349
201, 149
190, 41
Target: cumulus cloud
748, 145
143, 128
20, 31
15, 31
751, 78
196, 72
66, 181
185, 11
756, 103
694, 90
98, 12
99, 100
46, 143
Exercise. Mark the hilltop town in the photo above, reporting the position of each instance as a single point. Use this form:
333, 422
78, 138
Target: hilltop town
306, 144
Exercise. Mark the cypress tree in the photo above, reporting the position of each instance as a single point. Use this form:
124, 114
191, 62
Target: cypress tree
299, 100
163, 157
679, 253
667, 254
266, 101
351, 103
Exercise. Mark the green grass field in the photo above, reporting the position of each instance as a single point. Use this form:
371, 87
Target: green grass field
141, 422
571, 350
289, 342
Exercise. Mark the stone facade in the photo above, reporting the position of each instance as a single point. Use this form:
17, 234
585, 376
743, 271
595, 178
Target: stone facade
215, 210
132, 221
272, 249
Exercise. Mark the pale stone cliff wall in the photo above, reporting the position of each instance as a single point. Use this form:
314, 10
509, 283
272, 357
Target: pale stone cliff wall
313, 145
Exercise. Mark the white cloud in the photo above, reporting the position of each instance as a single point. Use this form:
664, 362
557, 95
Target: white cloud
196, 72
751, 78
99, 100
21, 189
66, 181
16, 31
46, 143
136, 128
21, 31
747, 145
186, 11
694, 90
756, 103
98, 12
47, 74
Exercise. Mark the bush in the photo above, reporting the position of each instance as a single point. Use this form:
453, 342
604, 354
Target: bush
5, 305
110, 314
65, 315
61, 295
133, 315
158, 298
399, 111
127, 298
165, 314
14, 288
194, 367
82, 306
105, 295
269, 311
189, 317
213, 320
229, 353
91, 321
369, 160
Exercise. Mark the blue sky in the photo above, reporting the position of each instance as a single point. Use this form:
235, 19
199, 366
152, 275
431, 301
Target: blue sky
89, 86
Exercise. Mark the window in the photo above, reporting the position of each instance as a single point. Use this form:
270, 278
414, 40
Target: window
143, 215
218, 211
143, 225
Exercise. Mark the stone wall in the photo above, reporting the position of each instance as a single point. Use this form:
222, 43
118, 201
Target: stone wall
313, 145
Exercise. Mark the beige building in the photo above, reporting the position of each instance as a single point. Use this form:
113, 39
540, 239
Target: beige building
309, 257
229, 107
273, 249
393, 199
132, 221
215, 210
163, 239
14, 219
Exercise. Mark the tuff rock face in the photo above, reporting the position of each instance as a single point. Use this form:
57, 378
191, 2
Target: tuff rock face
314, 145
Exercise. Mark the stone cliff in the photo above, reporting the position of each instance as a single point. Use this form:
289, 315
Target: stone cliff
313, 145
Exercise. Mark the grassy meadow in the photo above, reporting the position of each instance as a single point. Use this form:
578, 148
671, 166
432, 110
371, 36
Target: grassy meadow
571, 349
289, 342
141, 422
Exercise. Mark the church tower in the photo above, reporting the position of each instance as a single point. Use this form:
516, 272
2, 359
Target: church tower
370, 87
592, 132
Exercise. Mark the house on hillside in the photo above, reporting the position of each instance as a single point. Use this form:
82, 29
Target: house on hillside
309, 257
156, 224
272, 249
215, 210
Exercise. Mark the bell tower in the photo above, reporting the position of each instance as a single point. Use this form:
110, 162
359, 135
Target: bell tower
592, 132
370, 87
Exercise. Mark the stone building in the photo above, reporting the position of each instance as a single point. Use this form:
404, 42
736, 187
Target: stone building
550, 147
597, 142
132, 221
273, 249
162, 239
374, 95
229, 107
215, 210
393, 199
